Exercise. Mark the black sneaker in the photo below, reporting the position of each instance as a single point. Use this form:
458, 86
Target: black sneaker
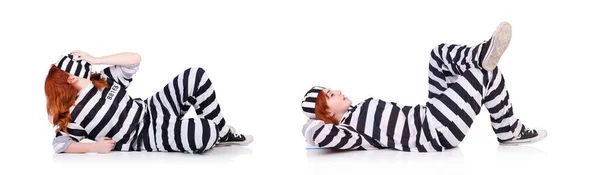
527, 136
233, 138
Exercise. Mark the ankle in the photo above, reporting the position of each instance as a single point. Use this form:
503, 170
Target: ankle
484, 49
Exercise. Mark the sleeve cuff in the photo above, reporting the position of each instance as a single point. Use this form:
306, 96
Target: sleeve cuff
61, 143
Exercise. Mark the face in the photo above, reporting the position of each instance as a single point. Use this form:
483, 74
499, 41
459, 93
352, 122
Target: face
337, 102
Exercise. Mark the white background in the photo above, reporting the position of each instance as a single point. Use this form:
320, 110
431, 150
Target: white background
262, 56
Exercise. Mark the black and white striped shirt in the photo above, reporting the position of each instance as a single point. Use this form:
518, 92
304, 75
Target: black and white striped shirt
107, 113
376, 124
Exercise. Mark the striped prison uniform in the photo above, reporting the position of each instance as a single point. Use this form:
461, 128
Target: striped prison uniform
154, 124
458, 88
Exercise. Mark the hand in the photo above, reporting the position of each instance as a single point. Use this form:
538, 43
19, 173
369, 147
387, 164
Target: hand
104, 145
80, 55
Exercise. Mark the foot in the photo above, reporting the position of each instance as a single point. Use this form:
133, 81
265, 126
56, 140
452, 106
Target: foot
527, 136
233, 138
498, 44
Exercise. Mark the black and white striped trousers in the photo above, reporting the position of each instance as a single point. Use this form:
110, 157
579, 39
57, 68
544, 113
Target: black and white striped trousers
459, 87
165, 130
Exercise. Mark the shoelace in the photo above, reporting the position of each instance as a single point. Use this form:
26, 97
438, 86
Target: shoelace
234, 134
232, 130
527, 130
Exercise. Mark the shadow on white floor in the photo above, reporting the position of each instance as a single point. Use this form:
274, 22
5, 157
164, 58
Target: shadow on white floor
454, 155
317, 160
521, 150
521, 154
451, 161
384, 155
217, 155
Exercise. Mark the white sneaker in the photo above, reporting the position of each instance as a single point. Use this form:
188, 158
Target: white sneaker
498, 44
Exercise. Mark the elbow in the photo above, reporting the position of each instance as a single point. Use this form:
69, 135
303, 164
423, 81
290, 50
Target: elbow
60, 150
61, 144
137, 58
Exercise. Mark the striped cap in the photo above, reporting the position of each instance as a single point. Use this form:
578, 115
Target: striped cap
309, 101
80, 68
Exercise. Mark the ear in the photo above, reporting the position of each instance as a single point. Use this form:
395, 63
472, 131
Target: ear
72, 79
50, 119
330, 113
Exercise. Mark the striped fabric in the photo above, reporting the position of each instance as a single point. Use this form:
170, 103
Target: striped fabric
153, 124
109, 112
164, 129
79, 68
459, 87
309, 101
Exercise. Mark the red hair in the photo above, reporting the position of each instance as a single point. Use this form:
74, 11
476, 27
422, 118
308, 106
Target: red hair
61, 95
321, 109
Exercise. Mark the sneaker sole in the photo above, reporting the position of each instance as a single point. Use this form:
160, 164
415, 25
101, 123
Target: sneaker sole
500, 41
542, 134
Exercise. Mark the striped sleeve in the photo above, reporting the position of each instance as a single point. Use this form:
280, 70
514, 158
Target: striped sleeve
123, 74
61, 142
343, 137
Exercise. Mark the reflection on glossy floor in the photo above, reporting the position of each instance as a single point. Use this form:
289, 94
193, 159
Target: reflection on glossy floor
219, 155
319, 161
478, 155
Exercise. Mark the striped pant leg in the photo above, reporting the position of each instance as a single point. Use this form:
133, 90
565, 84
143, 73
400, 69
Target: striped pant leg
497, 101
455, 108
447, 61
451, 112
169, 131
204, 100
